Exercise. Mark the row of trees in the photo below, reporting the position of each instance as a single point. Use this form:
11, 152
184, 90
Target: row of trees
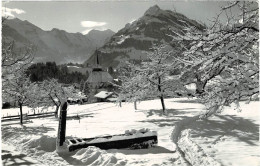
222, 60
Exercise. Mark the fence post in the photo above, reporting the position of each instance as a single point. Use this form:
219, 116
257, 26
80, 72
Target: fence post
62, 128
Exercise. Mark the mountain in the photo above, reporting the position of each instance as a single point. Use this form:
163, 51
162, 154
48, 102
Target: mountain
100, 37
55, 45
132, 41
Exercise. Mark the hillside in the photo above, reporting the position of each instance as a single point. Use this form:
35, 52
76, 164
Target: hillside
132, 41
55, 45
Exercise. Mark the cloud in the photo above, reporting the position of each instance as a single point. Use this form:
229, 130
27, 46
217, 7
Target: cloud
92, 24
10, 12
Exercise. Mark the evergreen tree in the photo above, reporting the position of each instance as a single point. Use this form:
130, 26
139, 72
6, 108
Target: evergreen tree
49, 70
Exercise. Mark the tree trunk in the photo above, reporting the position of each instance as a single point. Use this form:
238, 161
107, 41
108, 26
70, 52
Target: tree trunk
135, 105
21, 113
120, 104
161, 96
163, 105
56, 111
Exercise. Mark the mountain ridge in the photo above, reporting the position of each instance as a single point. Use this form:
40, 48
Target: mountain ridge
136, 38
54, 45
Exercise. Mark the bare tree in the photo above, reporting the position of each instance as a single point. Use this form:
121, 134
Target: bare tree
131, 83
19, 88
152, 78
51, 92
224, 58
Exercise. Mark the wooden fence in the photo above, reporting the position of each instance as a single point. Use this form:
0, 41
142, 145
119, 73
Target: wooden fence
30, 116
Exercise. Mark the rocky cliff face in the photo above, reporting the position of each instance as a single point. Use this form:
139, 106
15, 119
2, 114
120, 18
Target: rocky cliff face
132, 41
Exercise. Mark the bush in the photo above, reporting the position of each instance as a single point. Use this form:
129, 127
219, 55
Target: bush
6, 105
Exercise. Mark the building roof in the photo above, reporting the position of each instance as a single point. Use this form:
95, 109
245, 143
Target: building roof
103, 94
99, 77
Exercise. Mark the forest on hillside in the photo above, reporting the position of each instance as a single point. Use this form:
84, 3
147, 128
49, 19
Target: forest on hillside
43, 71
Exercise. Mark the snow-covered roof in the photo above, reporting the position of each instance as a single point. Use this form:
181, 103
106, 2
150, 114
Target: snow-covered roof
191, 86
103, 94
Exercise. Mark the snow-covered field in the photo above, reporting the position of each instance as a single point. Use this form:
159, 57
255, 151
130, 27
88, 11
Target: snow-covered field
230, 139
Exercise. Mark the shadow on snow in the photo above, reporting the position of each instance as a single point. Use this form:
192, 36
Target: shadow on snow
29, 130
9, 159
242, 129
151, 150
169, 112
169, 118
195, 101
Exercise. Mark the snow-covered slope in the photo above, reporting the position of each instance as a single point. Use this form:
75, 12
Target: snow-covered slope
55, 45
138, 36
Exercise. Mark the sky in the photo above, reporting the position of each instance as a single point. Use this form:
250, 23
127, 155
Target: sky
83, 16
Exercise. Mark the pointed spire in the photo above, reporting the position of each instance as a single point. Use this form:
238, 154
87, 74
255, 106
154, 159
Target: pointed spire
97, 58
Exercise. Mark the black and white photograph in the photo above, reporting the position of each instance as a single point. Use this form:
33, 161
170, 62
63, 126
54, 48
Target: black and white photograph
130, 83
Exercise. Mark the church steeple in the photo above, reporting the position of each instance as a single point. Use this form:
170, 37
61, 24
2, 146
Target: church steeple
97, 58
97, 75
97, 66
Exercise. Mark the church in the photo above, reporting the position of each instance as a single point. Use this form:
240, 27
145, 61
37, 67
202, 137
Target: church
98, 77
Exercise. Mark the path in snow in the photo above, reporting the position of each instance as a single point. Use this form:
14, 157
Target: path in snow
231, 138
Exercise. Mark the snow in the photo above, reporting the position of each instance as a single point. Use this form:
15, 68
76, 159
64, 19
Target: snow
191, 86
74, 67
10, 157
95, 156
124, 137
122, 39
36, 139
238, 140
103, 94
194, 153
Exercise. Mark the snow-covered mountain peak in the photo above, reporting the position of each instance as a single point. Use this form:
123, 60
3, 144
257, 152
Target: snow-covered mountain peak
154, 10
